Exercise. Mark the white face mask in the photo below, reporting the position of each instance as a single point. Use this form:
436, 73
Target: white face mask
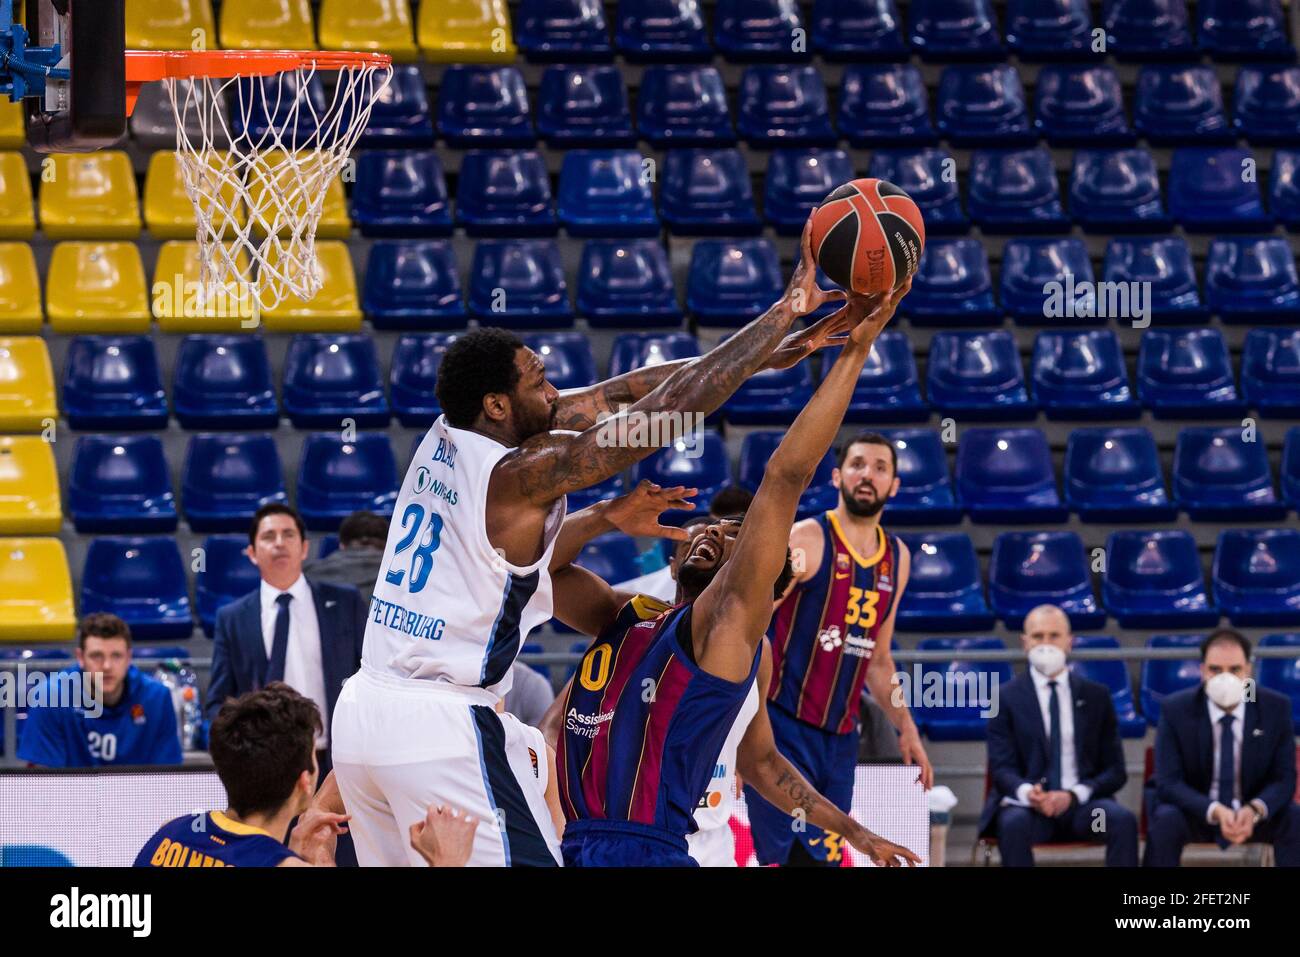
1047, 660
1226, 690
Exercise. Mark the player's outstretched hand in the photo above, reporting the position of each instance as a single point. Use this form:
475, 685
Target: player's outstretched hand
879, 311
316, 835
803, 294
637, 512
883, 853
445, 838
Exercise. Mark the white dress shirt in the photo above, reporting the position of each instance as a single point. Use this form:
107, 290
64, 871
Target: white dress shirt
1232, 801
1065, 703
303, 671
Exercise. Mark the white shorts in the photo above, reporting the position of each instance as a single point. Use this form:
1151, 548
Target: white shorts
713, 847
400, 745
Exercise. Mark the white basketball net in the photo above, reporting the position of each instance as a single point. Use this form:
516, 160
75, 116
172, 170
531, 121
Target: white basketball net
259, 199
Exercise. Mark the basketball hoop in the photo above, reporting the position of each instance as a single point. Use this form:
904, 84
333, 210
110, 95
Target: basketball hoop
258, 185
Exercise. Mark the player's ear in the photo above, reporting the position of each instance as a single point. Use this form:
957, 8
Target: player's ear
893, 488
496, 406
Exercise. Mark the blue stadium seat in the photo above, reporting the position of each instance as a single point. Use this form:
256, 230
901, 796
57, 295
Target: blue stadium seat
954, 30
1270, 372
1267, 105
413, 374
1006, 476
1015, 191
977, 376
1028, 569
606, 193
707, 192
400, 116
953, 285
1081, 105
929, 176
1180, 104
328, 544
530, 276
966, 683
121, 483
698, 460
983, 106
857, 30
1154, 580
945, 589
1291, 468
484, 106
504, 193
1049, 29
280, 104
784, 106
1281, 674
413, 285
584, 106
926, 493
612, 557
142, 581
1163, 265
227, 575
627, 282
610, 488
748, 30
732, 281
1187, 374
683, 106
1144, 29
401, 193
567, 356
1257, 576
1248, 278
755, 451
1284, 187
329, 377
1208, 192
566, 30
771, 397
1116, 190
663, 31
337, 478
1114, 675
1244, 29
1081, 374
798, 180
884, 103
220, 382
1114, 475
1163, 677
227, 477
636, 350
889, 387
1037, 284
1219, 476
113, 382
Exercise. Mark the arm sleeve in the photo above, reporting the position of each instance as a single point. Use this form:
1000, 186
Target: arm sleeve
1111, 773
1280, 789
1008, 779
221, 682
45, 739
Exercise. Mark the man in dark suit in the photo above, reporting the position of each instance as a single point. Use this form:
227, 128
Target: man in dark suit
1225, 762
1055, 756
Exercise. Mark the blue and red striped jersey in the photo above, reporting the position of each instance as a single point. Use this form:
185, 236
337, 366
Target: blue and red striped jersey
643, 723
211, 840
824, 631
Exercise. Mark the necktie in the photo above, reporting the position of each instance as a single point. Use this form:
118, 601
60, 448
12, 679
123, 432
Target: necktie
1053, 739
1227, 760
280, 643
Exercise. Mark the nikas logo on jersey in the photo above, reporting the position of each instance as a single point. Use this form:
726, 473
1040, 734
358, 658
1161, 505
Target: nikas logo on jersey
425, 482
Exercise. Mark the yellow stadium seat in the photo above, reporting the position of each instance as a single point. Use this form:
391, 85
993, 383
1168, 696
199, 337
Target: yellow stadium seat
170, 25
382, 26
89, 196
20, 290
334, 221
268, 25
466, 31
168, 209
178, 302
29, 487
26, 385
97, 287
333, 309
17, 217
13, 125
35, 591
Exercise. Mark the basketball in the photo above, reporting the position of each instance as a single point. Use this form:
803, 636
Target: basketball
867, 236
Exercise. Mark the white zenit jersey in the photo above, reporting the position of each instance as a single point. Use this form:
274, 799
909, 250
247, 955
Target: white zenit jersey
715, 808
446, 606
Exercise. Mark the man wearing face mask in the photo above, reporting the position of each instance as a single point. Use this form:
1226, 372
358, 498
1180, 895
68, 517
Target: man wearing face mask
1225, 762
1055, 756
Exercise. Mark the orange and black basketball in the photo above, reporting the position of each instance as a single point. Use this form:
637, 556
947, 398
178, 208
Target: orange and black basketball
868, 235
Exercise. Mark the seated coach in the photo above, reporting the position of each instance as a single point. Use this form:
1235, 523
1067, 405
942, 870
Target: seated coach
1225, 762
1055, 757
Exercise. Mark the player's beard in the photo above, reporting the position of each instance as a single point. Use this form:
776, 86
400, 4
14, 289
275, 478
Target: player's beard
863, 509
693, 580
526, 426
